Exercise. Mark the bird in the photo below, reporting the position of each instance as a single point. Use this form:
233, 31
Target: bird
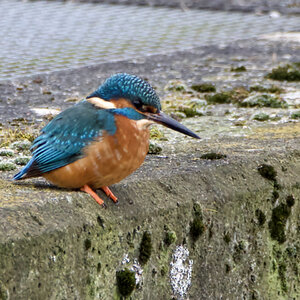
100, 140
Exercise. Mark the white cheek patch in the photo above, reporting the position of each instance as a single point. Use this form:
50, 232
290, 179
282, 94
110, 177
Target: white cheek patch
143, 124
101, 103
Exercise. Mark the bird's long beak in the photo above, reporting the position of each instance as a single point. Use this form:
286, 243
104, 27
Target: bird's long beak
167, 121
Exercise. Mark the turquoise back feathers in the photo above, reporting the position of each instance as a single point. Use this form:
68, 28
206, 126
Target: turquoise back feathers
130, 87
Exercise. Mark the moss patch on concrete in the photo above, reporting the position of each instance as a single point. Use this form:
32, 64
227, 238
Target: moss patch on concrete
288, 72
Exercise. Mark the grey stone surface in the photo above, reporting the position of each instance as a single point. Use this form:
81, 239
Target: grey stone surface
57, 244
42, 36
286, 6
60, 244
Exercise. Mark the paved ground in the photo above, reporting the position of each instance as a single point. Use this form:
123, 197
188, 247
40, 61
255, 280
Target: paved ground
44, 36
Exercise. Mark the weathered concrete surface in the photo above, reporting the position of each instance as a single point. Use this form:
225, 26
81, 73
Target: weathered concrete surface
57, 244
286, 6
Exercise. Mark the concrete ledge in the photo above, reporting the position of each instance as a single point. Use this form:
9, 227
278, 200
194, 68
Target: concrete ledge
240, 229
58, 244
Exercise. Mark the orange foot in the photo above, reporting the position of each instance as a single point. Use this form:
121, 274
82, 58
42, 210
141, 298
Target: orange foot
88, 190
109, 194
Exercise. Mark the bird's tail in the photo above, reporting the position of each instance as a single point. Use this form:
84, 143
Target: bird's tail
23, 172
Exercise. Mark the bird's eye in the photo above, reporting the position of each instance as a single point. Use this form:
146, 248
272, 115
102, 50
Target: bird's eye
138, 103
143, 108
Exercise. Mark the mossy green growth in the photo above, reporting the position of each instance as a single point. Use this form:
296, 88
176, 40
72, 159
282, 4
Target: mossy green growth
154, 148
197, 226
9, 136
125, 281
203, 88
156, 134
263, 100
267, 172
275, 196
227, 237
176, 86
238, 69
22, 161
7, 166
273, 89
190, 112
4, 295
290, 200
212, 156
145, 248
219, 98
296, 115
170, 238
261, 117
7, 152
261, 217
87, 244
288, 72
239, 249
21, 145
282, 275
278, 221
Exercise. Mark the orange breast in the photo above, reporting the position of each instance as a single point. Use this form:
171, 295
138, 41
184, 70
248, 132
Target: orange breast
107, 160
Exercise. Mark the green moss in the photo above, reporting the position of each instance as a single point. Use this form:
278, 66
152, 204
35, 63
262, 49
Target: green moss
197, 209
98, 267
156, 134
227, 237
238, 69
261, 117
288, 72
21, 145
267, 172
264, 100
145, 248
154, 148
170, 238
212, 156
197, 227
204, 88
87, 244
190, 111
282, 275
261, 217
6, 152
275, 196
290, 200
176, 86
22, 161
126, 282
227, 268
163, 271
219, 98
8, 136
278, 221
274, 89
4, 295
239, 249
296, 115
6, 166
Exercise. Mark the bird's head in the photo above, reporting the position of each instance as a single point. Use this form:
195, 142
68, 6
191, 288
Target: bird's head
136, 99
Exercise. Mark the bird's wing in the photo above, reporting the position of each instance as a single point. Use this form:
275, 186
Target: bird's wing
63, 139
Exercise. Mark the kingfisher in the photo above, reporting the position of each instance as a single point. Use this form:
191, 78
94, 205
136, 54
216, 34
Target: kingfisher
101, 139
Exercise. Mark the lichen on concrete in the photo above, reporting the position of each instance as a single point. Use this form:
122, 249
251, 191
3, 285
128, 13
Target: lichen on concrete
181, 271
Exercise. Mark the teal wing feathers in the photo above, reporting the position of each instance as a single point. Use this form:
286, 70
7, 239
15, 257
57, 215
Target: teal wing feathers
62, 141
